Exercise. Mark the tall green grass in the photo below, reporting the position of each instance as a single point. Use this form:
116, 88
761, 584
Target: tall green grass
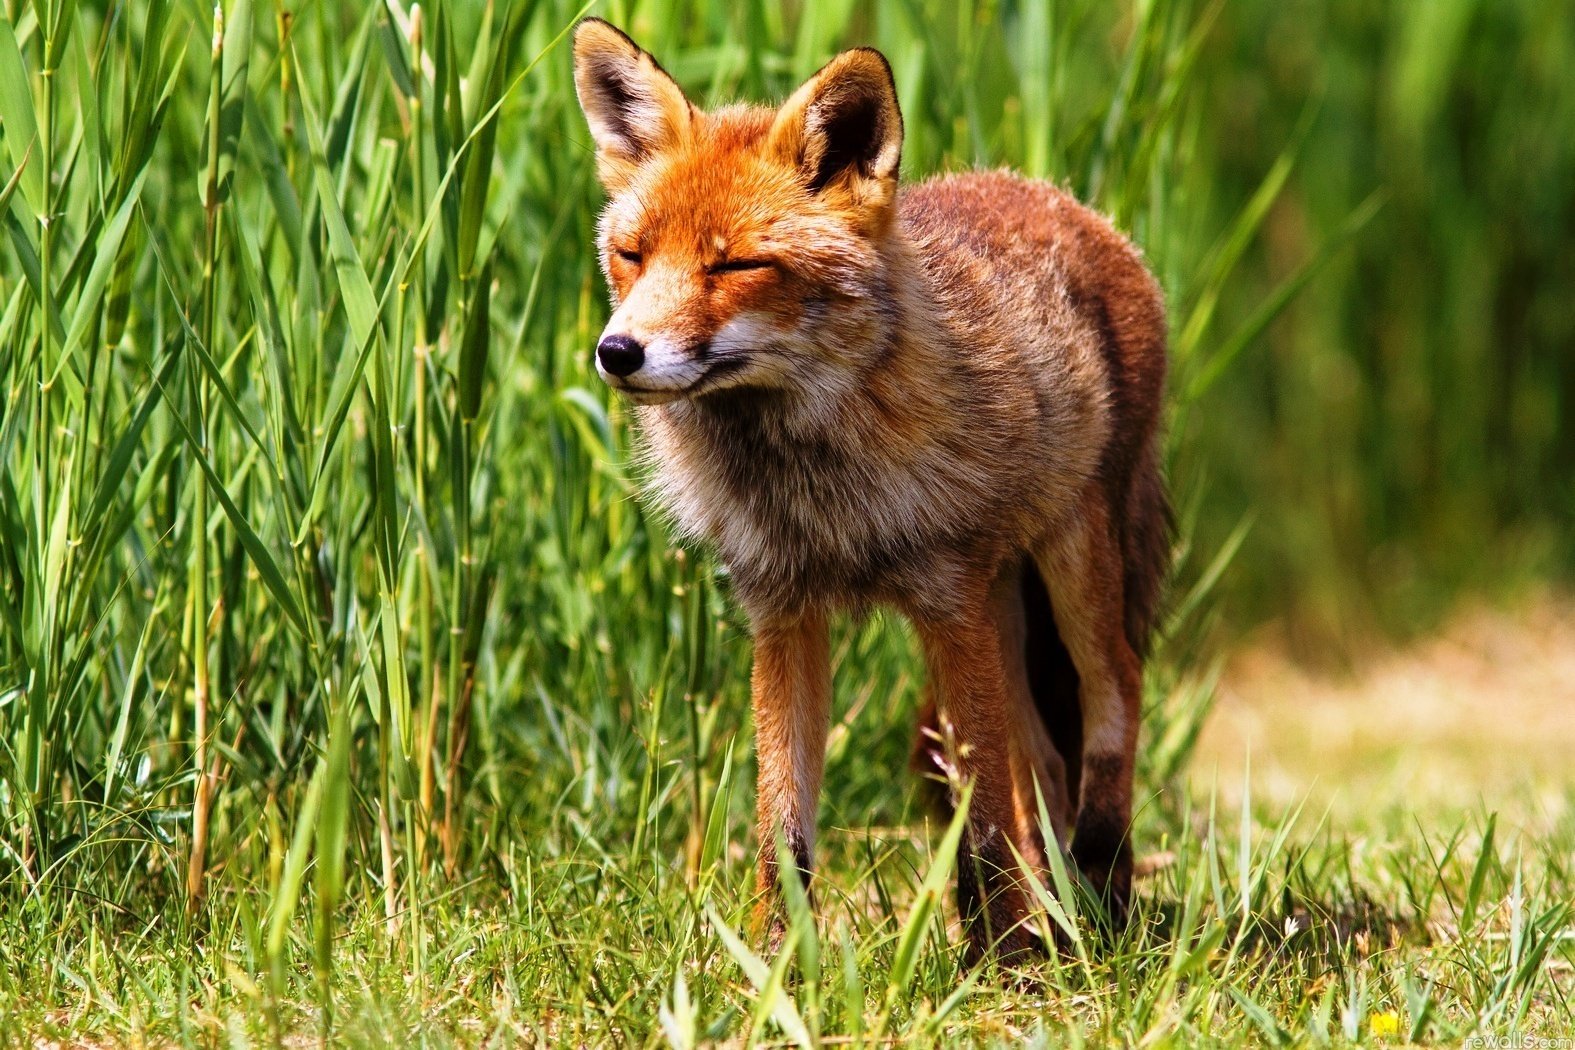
344, 684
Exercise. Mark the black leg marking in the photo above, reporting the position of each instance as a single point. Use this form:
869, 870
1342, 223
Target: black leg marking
1101, 844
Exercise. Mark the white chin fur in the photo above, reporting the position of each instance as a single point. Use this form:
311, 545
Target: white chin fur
651, 397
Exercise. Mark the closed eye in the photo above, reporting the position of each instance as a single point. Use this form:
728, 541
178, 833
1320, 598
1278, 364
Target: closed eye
739, 265
629, 256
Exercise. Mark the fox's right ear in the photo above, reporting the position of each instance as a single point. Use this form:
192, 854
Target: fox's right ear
634, 108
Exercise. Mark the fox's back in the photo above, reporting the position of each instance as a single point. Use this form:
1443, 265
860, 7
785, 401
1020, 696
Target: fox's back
1029, 274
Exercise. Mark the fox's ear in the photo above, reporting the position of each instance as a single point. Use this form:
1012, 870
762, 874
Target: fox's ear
843, 127
634, 109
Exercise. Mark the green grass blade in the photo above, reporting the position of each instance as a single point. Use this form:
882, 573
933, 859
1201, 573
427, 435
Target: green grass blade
926, 903
1243, 337
17, 115
355, 290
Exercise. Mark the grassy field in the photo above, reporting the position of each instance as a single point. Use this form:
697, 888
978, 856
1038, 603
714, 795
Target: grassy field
348, 693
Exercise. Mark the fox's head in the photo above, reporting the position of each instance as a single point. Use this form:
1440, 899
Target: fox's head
742, 246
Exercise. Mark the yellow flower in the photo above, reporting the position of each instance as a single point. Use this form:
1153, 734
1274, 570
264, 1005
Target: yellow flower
1384, 1025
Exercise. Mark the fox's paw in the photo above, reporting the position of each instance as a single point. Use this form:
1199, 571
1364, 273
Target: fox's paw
1019, 946
1107, 866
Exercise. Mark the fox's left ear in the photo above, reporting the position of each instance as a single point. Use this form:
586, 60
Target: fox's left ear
843, 129
634, 109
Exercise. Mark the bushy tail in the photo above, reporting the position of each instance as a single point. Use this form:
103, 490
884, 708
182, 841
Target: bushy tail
1146, 529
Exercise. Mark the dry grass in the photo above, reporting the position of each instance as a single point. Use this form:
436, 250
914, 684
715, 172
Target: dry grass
1481, 715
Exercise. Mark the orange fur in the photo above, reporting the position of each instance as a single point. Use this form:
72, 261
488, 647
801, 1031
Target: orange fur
941, 398
792, 708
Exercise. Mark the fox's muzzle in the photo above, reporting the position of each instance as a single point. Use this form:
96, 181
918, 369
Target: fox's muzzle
652, 370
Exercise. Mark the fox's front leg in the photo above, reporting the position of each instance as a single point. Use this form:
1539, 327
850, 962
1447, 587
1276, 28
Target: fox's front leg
791, 687
965, 661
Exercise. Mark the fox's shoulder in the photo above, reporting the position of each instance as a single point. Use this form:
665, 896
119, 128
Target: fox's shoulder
1000, 212
992, 228
959, 196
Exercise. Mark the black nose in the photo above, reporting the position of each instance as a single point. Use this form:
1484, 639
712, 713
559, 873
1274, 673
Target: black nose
620, 355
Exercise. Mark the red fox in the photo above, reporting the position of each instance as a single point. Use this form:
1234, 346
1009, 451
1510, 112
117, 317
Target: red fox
941, 399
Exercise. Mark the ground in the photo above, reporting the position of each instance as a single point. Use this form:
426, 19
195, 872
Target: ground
1480, 717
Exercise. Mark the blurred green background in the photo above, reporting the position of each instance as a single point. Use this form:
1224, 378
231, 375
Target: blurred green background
1406, 430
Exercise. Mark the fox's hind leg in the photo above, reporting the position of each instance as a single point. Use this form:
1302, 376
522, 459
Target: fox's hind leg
1083, 569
